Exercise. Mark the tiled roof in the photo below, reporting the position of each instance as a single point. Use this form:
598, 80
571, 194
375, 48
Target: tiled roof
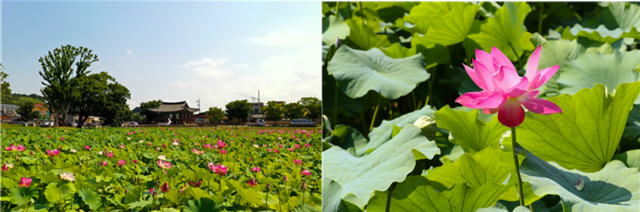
168, 107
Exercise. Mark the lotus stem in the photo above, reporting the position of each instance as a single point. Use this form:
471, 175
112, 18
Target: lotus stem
375, 113
393, 186
541, 18
515, 160
431, 79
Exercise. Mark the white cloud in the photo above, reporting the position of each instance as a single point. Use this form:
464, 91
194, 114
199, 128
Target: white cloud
129, 51
287, 38
205, 62
208, 67
239, 65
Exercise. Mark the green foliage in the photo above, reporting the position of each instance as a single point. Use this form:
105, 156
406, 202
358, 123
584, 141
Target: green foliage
215, 114
238, 109
274, 111
5, 90
25, 110
312, 107
401, 61
145, 109
294, 110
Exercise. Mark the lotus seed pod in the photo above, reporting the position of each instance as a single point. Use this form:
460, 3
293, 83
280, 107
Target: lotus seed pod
428, 127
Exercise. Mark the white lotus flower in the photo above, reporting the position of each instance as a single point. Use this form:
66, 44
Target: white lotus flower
162, 157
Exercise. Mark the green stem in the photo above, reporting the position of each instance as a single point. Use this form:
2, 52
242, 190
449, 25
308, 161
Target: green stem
335, 107
431, 79
393, 186
515, 160
362, 14
518, 57
337, 8
540, 21
375, 113
266, 201
415, 104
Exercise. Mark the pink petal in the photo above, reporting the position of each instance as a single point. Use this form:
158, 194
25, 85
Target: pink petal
490, 110
483, 74
500, 58
511, 114
532, 65
482, 99
505, 79
543, 76
474, 76
540, 106
532, 93
519, 89
486, 59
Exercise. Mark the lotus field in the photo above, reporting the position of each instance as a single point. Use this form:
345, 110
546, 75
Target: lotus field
481, 106
161, 169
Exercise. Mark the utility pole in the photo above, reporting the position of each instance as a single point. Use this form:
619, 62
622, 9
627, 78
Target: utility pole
198, 101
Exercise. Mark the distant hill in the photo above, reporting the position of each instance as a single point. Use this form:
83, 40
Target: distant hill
17, 98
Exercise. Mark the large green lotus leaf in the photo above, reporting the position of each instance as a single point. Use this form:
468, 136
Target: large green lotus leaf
357, 72
90, 197
601, 33
614, 188
332, 29
363, 37
468, 131
589, 69
348, 137
391, 162
391, 11
434, 54
559, 52
54, 190
201, 205
422, 15
621, 15
452, 27
495, 209
331, 199
382, 133
417, 193
632, 129
506, 31
342, 103
476, 169
630, 158
585, 136
22, 195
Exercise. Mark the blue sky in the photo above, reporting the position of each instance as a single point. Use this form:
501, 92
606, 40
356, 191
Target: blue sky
174, 51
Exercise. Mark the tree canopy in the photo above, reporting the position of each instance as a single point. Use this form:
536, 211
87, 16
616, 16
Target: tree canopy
215, 114
294, 110
239, 109
144, 106
313, 107
273, 111
5, 91
25, 110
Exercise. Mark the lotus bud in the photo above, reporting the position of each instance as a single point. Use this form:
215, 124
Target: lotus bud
428, 127
338, 43
268, 186
304, 186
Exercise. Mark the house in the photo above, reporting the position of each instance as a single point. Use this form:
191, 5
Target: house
8, 112
177, 112
43, 110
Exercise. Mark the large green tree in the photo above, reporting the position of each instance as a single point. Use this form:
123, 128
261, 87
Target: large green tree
116, 109
273, 111
294, 110
58, 73
313, 107
149, 116
239, 109
5, 90
25, 110
215, 114
90, 98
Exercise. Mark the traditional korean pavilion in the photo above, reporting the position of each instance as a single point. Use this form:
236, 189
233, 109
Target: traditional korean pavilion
178, 112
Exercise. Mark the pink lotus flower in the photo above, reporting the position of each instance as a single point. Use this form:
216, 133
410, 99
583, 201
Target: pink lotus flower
305, 172
110, 154
291, 149
149, 143
165, 188
285, 178
275, 151
54, 152
195, 184
121, 162
122, 146
68, 176
504, 91
222, 151
10, 148
219, 169
164, 164
264, 145
151, 191
104, 163
252, 182
208, 146
135, 161
269, 150
20, 148
256, 169
61, 138
87, 147
221, 144
6, 167
307, 145
198, 152
280, 146
297, 161
25, 182
297, 146
279, 138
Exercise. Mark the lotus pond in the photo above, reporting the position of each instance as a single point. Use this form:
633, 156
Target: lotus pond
161, 169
